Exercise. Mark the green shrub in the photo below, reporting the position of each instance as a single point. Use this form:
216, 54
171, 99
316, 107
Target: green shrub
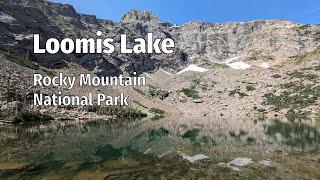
7, 115
261, 113
190, 92
219, 66
157, 117
118, 111
50, 72
191, 134
251, 140
157, 92
276, 76
156, 111
237, 91
295, 97
161, 132
250, 88
27, 116
301, 27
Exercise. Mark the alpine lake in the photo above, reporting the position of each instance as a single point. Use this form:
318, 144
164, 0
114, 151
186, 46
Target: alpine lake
167, 148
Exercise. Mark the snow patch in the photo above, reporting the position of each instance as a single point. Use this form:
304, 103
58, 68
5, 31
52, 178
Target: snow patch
166, 72
21, 37
148, 75
231, 59
193, 68
239, 65
264, 65
5, 18
175, 26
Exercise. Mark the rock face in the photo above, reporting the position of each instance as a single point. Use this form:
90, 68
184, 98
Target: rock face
196, 42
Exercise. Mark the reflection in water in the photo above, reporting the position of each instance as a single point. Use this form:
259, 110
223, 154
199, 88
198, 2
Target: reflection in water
96, 147
296, 133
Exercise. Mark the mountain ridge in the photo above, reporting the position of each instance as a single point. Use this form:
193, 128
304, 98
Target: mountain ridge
271, 41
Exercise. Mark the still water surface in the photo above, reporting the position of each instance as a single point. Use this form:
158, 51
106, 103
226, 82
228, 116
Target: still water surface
144, 148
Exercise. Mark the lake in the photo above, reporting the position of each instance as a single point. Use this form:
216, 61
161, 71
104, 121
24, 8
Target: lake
146, 148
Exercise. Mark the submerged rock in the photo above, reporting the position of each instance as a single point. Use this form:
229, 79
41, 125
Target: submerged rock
266, 162
148, 151
240, 162
13, 166
228, 166
192, 159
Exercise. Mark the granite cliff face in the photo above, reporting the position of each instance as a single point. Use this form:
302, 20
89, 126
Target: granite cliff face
201, 43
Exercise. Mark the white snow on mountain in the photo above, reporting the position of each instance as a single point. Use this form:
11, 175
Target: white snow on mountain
194, 68
264, 65
239, 65
166, 72
231, 59
148, 75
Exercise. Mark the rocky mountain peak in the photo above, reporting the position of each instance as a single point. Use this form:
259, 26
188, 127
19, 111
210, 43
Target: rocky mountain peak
139, 16
201, 43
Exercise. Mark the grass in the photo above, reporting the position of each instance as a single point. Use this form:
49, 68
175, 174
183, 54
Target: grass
137, 102
190, 92
19, 60
295, 96
7, 115
50, 72
156, 111
219, 66
301, 27
301, 58
207, 86
157, 117
196, 81
139, 91
301, 75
